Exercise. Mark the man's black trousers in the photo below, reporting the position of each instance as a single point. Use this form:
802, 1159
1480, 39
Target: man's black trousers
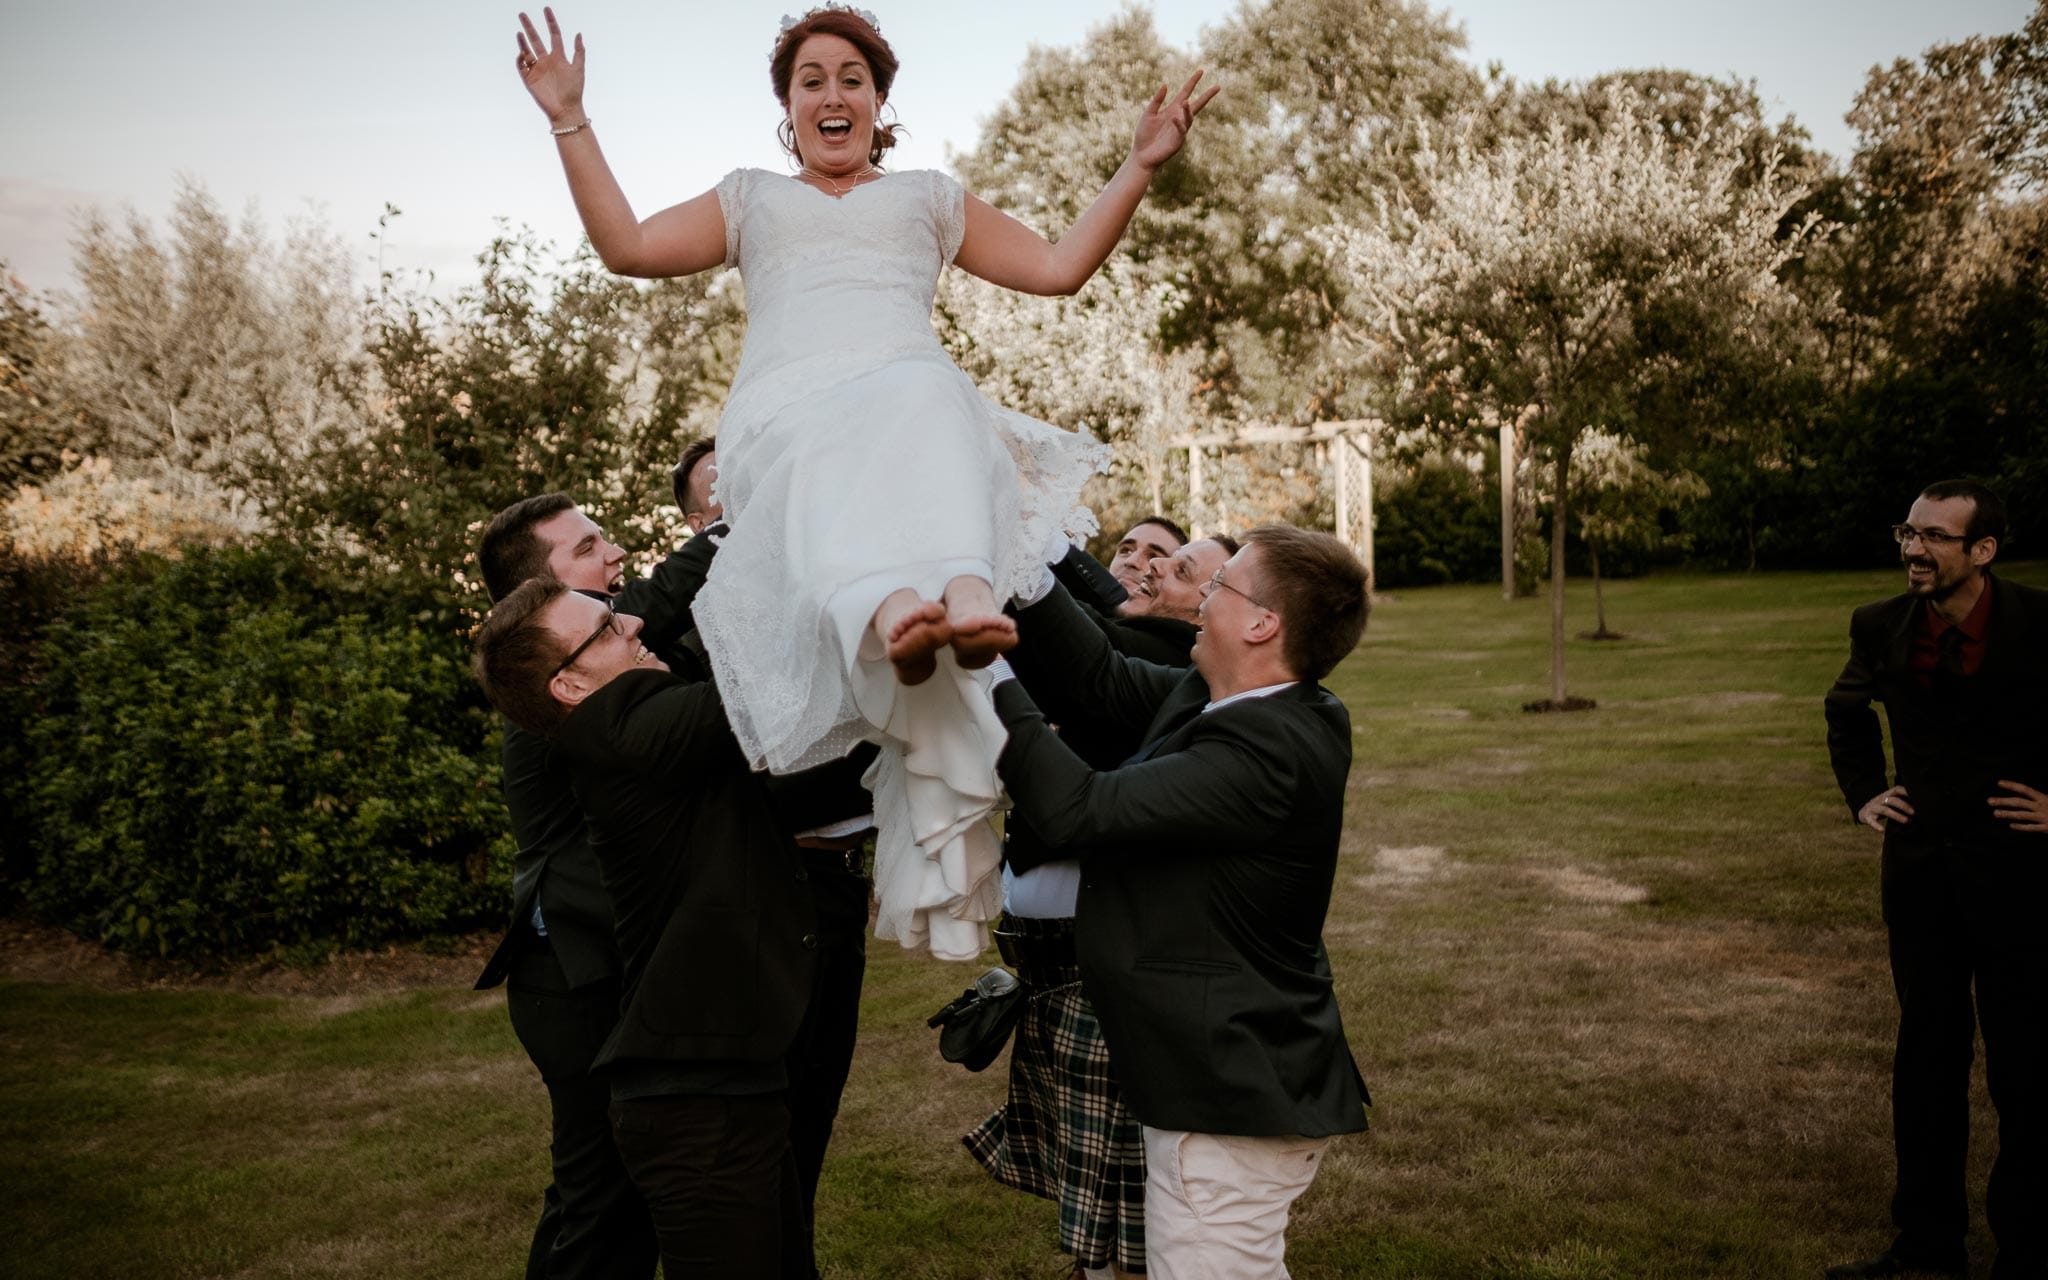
1964, 922
822, 1054
720, 1183
593, 1222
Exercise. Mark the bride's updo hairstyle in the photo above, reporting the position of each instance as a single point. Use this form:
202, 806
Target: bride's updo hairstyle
850, 26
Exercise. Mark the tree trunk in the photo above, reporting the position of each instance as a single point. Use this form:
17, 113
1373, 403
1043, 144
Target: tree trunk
1557, 523
1599, 604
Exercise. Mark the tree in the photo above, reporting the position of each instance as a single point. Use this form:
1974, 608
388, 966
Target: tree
1618, 500
1942, 142
215, 353
1328, 105
35, 429
547, 374
1546, 279
1325, 103
1934, 352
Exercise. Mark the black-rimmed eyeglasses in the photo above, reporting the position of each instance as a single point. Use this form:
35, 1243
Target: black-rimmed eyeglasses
611, 623
1905, 533
1216, 581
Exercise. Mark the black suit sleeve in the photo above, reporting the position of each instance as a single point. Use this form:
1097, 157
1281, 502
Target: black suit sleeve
1077, 676
679, 728
828, 793
664, 600
1855, 741
1088, 581
1227, 789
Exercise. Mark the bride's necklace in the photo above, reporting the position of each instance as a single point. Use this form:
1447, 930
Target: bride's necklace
852, 180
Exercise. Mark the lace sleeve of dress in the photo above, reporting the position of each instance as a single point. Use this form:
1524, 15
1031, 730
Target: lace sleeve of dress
731, 203
949, 213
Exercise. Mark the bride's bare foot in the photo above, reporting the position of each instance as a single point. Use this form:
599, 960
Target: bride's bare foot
980, 631
980, 641
914, 641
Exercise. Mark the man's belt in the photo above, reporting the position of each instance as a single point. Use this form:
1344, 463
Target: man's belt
1036, 944
854, 860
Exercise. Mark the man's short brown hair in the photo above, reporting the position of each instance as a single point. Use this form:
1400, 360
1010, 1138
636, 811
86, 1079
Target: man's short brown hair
700, 448
511, 552
1180, 535
1319, 589
516, 656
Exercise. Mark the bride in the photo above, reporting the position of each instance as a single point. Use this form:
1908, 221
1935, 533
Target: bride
880, 507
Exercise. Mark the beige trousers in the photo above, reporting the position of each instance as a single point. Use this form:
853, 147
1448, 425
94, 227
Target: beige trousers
1216, 1205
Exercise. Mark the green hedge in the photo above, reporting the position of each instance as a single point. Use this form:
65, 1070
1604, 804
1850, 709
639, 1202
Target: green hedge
224, 760
1439, 522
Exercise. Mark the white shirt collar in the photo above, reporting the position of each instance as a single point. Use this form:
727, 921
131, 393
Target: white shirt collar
1250, 693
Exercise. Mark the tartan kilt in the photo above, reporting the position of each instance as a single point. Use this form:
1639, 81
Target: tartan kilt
1064, 1134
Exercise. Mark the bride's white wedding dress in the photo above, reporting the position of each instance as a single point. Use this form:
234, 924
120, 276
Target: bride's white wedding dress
855, 458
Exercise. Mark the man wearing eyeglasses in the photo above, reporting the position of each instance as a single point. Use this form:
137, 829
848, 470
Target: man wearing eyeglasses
716, 928
559, 960
1960, 661
1207, 860
1063, 1131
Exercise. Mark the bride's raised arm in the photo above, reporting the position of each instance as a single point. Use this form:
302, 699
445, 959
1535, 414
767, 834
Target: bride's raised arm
1002, 250
678, 241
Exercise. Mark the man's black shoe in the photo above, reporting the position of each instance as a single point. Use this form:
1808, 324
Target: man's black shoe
1891, 1264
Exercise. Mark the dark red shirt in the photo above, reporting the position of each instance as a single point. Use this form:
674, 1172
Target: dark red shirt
1926, 654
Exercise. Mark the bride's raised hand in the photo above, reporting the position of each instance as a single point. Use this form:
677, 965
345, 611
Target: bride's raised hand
1163, 126
553, 78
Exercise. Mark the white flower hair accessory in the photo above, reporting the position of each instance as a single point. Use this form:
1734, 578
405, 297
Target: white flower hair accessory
790, 20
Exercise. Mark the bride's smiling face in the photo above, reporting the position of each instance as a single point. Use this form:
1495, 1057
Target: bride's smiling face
832, 105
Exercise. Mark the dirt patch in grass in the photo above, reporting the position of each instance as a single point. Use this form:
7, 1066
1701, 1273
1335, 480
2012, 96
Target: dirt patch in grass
31, 952
1587, 886
1405, 865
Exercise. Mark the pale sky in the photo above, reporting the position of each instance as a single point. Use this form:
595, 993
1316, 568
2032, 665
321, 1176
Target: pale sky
330, 111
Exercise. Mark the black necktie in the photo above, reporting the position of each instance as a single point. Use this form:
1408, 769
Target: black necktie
1948, 664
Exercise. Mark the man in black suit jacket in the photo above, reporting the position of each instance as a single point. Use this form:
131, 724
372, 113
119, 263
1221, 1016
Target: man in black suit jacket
1960, 662
1063, 1131
1208, 859
821, 1057
715, 926
559, 960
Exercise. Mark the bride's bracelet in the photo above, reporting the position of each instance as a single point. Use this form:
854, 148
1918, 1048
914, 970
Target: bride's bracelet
584, 123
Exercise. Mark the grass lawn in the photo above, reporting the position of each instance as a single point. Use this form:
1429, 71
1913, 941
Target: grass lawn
1616, 979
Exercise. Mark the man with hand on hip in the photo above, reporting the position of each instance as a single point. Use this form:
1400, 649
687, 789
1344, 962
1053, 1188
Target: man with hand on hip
1960, 661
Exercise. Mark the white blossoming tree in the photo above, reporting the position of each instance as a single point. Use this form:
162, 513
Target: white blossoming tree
1551, 280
